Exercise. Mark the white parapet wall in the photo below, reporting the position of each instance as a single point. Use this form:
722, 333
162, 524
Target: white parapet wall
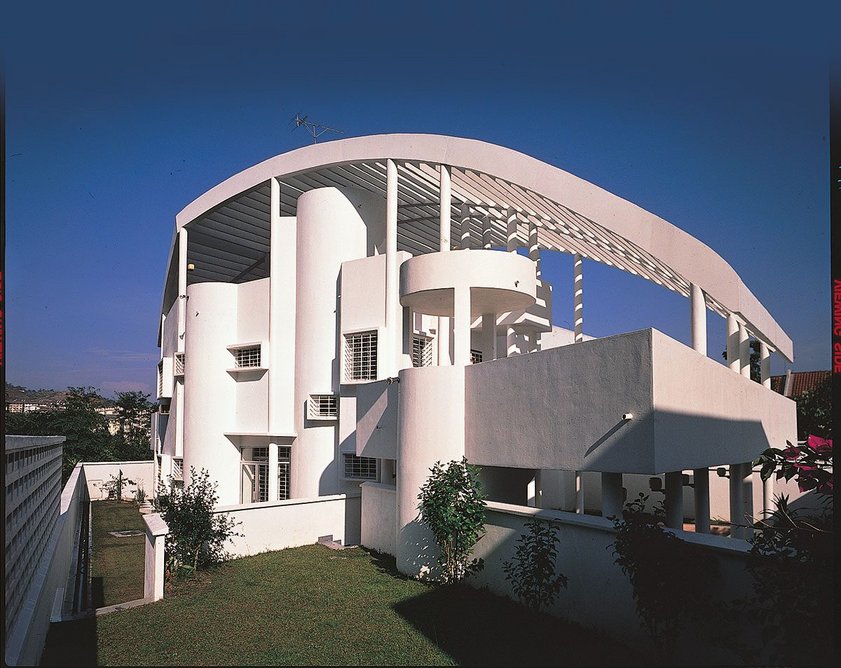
599, 596
277, 525
379, 517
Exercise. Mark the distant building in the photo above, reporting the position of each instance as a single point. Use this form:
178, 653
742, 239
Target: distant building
795, 383
346, 314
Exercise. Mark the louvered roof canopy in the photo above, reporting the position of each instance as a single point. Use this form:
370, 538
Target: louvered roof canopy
229, 226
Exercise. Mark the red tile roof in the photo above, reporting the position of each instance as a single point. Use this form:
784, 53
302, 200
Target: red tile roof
801, 381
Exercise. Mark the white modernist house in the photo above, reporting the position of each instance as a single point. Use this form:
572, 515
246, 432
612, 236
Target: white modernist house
354, 311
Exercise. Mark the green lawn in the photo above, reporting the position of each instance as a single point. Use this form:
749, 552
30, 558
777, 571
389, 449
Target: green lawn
117, 563
312, 605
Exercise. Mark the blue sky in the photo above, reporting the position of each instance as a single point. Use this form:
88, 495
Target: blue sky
713, 118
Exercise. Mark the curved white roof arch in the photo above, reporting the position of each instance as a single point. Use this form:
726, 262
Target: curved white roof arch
572, 214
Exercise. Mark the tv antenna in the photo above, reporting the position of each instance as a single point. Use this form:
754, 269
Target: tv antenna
315, 129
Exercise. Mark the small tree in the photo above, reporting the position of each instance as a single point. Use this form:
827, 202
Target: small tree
197, 535
452, 506
114, 485
532, 570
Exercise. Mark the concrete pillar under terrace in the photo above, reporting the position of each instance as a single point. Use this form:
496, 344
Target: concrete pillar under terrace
534, 249
488, 337
578, 296
465, 242
765, 364
741, 500
702, 500
444, 227
733, 343
744, 351
391, 276
699, 319
674, 500
461, 327
767, 497
612, 495
182, 288
579, 494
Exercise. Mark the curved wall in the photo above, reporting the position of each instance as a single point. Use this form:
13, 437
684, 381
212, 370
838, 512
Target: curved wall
330, 230
210, 391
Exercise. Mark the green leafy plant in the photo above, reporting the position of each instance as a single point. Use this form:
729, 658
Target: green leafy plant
453, 507
671, 579
140, 494
115, 483
197, 535
532, 570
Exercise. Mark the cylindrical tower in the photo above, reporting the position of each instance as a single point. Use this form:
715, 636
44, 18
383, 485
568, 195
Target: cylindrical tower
330, 231
208, 387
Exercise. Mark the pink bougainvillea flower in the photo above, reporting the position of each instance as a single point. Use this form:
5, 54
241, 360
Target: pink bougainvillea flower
791, 453
822, 446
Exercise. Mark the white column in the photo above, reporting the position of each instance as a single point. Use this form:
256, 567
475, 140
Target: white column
736, 500
182, 289
391, 275
674, 500
511, 230
486, 232
578, 293
702, 500
444, 232
579, 494
744, 351
612, 495
461, 327
488, 337
465, 227
765, 364
272, 472
534, 249
732, 343
699, 319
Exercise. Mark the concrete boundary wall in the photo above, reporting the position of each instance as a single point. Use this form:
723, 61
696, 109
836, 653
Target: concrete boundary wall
276, 525
54, 578
379, 517
599, 596
99, 473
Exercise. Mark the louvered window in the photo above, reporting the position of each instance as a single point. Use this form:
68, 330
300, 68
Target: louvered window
177, 469
179, 364
161, 378
360, 468
323, 407
475, 356
361, 356
421, 350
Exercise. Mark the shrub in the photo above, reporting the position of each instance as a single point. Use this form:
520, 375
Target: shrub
197, 535
671, 579
452, 506
532, 570
115, 483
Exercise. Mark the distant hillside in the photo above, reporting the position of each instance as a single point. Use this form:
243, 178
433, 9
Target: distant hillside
17, 394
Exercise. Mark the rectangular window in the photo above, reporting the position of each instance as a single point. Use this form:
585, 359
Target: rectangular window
475, 356
361, 356
247, 357
177, 469
161, 378
255, 475
284, 454
323, 407
360, 468
421, 350
179, 364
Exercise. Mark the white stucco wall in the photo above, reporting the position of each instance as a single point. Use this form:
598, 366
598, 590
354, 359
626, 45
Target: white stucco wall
376, 413
252, 389
276, 525
563, 409
99, 473
379, 517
